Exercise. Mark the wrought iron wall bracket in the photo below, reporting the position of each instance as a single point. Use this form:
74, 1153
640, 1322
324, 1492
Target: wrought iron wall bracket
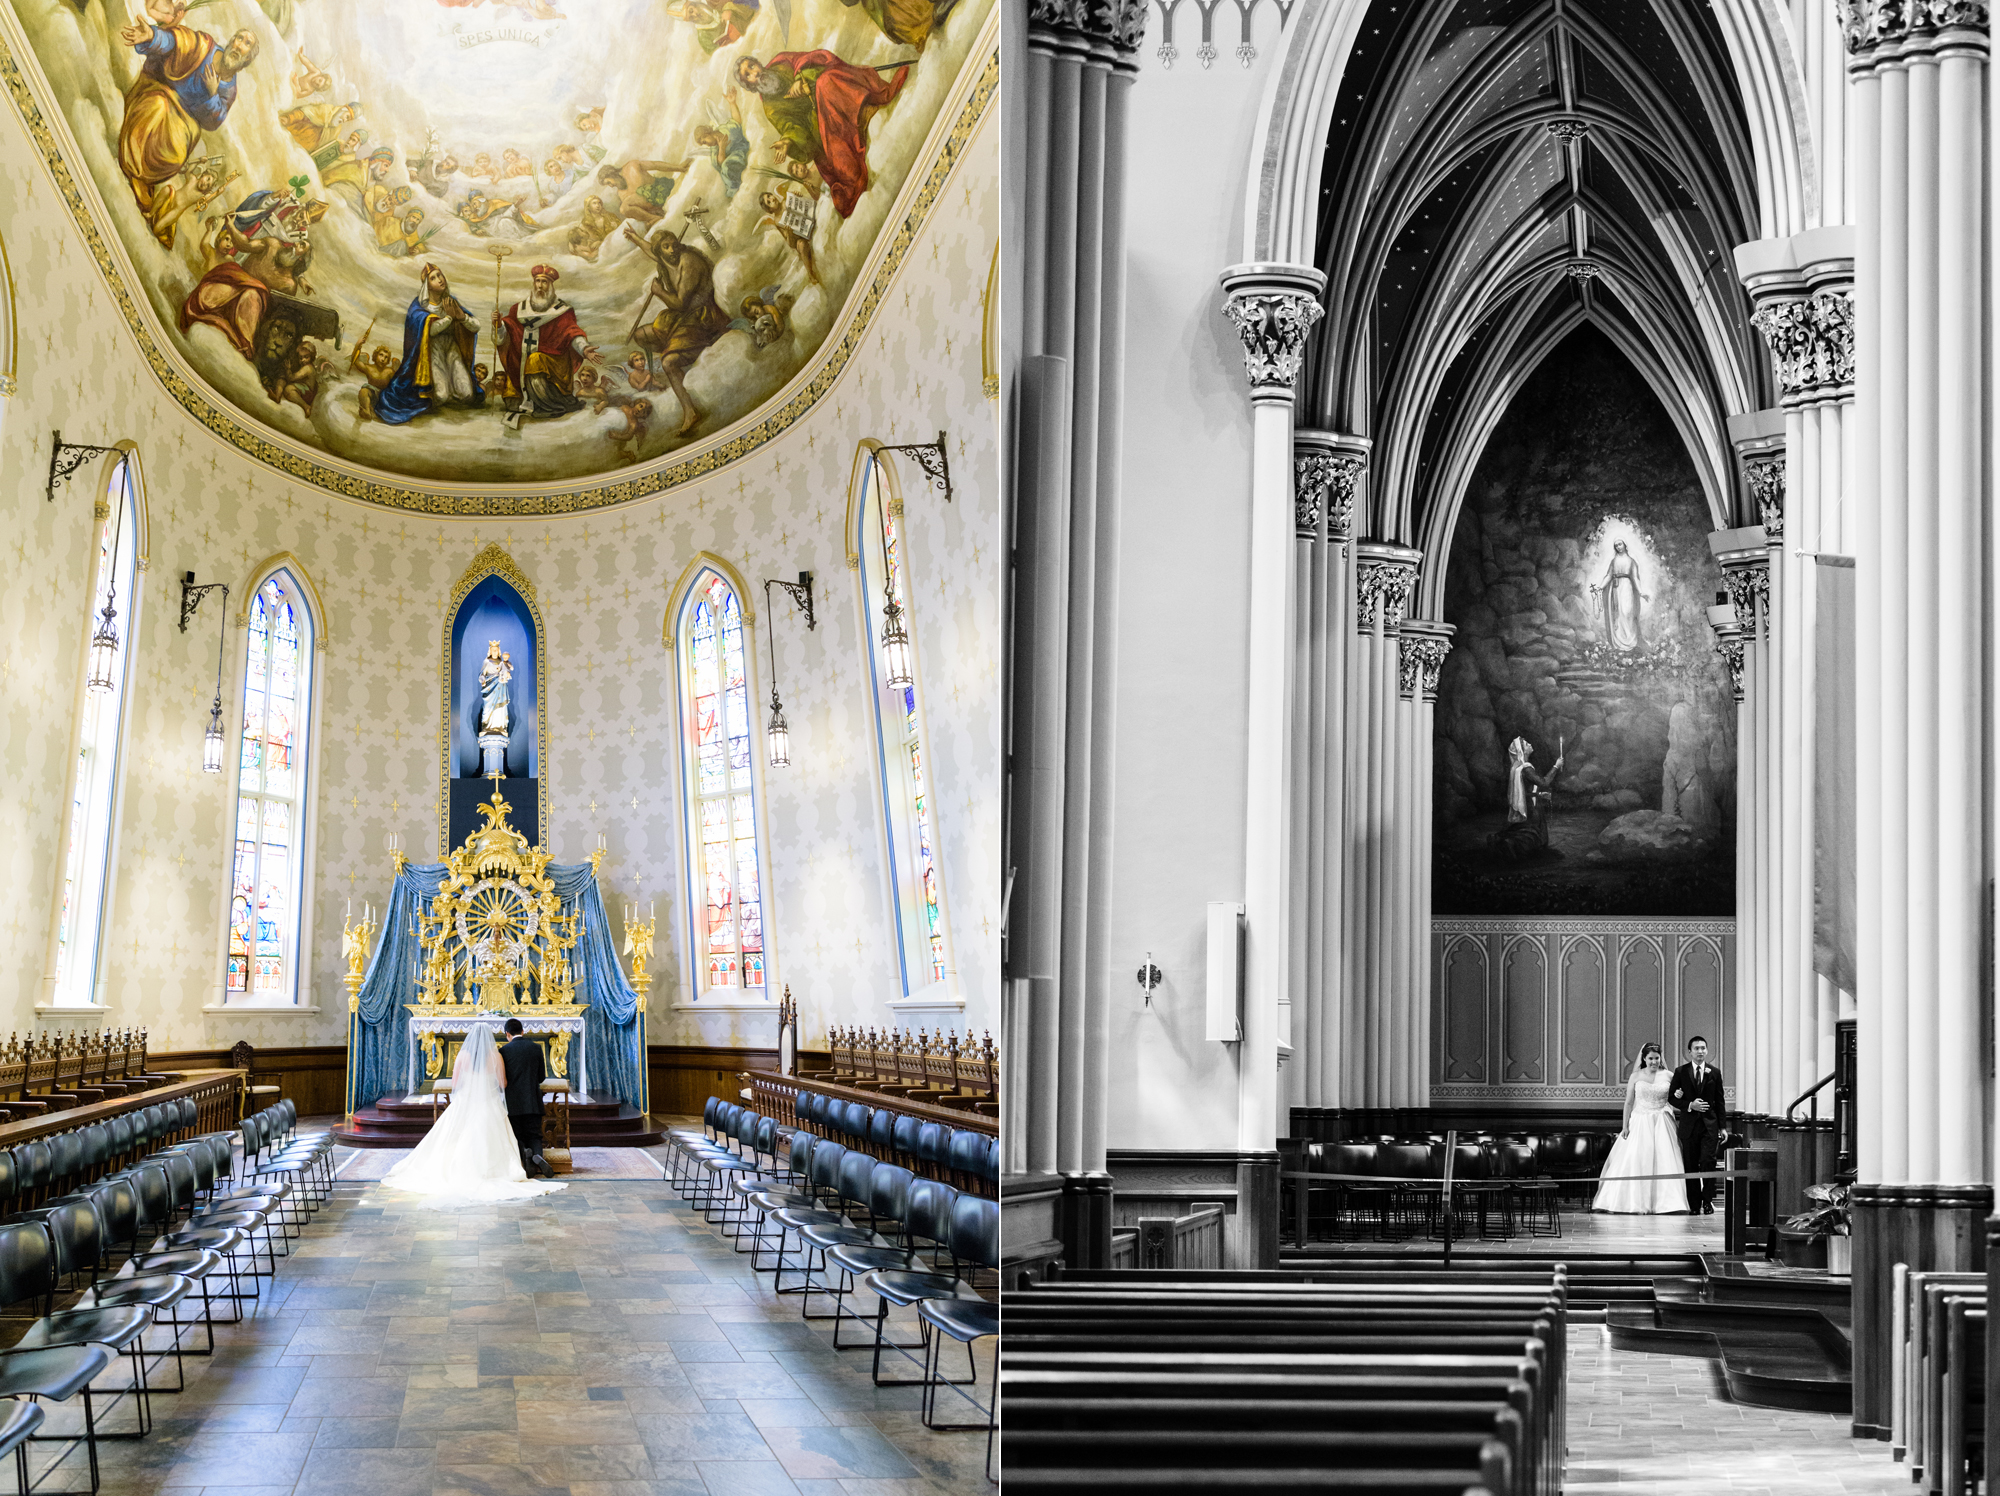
66, 457
800, 592
930, 456
192, 595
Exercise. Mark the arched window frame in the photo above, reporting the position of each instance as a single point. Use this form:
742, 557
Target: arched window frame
874, 484
296, 991
75, 975
695, 991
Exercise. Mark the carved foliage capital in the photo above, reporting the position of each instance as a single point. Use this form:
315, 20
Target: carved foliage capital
1750, 594
1325, 481
1420, 663
1382, 590
1766, 477
1273, 325
1119, 24
1870, 23
1731, 650
1811, 342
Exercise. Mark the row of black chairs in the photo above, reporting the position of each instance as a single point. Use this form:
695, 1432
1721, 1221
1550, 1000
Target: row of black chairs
139, 1242
838, 1221
957, 1155
1124, 1384
1496, 1191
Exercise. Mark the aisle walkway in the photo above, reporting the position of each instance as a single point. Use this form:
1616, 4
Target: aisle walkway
1646, 1425
596, 1342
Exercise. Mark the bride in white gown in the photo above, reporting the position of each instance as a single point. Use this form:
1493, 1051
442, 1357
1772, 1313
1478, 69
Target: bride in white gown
470, 1153
1648, 1144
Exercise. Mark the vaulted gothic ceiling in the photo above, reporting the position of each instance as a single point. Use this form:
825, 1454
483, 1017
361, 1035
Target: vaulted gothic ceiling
1498, 172
330, 218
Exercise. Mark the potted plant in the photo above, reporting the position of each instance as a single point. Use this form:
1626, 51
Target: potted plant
1828, 1218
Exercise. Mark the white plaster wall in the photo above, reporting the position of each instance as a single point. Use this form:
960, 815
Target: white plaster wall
1184, 569
602, 583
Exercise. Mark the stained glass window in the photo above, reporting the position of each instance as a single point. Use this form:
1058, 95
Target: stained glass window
87, 857
729, 918
264, 901
906, 783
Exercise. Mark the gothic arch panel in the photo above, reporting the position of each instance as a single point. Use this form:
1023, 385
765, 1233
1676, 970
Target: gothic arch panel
1463, 1056
1524, 1011
1642, 998
1583, 1010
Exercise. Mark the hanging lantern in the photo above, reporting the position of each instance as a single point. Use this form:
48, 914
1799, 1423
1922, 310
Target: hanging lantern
103, 652
895, 646
211, 741
778, 735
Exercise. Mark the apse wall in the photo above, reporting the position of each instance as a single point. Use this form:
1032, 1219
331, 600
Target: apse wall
602, 582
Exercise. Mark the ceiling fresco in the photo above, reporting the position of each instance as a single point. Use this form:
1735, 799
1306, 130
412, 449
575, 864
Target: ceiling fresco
419, 249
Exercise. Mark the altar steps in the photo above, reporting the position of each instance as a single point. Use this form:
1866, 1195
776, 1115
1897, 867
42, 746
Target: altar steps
396, 1121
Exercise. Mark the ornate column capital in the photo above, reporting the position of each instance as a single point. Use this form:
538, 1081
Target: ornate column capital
1812, 344
1385, 575
1326, 474
1728, 645
1765, 475
1423, 644
1274, 308
1109, 29
1869, 24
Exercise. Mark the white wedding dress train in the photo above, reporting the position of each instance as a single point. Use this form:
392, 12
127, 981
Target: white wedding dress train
1650, 1146
470, 1153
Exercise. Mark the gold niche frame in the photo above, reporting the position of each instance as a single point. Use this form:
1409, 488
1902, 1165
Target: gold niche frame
493, 561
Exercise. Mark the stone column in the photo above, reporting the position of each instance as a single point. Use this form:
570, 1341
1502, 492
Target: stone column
1374, 1061
1425, 643
1327, 470
1067, 399
1923, 581
1744, 557
1274, 308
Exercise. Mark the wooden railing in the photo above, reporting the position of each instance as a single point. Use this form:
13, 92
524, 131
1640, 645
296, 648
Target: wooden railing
1190, 1241
216, 1095
777, 1095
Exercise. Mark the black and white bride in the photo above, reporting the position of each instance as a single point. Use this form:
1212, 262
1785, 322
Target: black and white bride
1647, 1145
471, 1152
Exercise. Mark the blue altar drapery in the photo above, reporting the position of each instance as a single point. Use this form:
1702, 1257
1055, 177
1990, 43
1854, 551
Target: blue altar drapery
611, 1021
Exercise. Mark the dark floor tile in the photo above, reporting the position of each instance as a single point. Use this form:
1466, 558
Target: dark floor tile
355, 1433
606, 1394
838, 1453
673, 1438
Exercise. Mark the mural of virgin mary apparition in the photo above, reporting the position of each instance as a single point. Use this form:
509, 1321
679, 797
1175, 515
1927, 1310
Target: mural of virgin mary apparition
1620, 603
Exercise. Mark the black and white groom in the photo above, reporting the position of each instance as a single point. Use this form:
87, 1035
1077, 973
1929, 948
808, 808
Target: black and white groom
1696, 1097
525, 1073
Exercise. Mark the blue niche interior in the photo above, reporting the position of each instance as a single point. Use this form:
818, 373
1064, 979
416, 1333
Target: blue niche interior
494, 610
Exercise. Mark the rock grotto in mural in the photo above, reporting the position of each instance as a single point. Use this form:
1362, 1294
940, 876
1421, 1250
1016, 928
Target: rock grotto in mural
1585, 730
499, 240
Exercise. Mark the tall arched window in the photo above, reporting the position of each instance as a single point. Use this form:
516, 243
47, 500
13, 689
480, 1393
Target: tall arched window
93, 816
726, 890
908, 803
267, 871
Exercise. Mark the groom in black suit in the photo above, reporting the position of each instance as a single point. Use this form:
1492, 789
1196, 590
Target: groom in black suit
1696, 1097
525, 1073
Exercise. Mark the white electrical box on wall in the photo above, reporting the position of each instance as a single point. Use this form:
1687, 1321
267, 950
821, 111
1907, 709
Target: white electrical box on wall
1225, 972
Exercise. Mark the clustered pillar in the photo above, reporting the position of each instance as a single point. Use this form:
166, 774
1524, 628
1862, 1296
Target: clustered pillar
1923, 577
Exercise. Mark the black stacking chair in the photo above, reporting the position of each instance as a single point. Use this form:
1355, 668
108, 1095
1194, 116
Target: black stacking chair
882, 1132
925, 1216
72, 1243
904, 1138
887, 1187
152, 1192
967, 1157
764, 1195
975, 1238
57, 1373
934, 1147
823, 1179
973, 1223
117, 1205
18, 1420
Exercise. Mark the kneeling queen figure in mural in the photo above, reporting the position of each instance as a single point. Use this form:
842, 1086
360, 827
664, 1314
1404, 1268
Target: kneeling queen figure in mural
1647, 1148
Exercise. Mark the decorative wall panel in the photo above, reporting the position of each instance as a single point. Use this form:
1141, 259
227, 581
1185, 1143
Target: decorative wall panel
1567, 1003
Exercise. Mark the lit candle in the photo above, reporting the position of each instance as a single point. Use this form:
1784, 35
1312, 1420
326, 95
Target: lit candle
649, 912
350, 909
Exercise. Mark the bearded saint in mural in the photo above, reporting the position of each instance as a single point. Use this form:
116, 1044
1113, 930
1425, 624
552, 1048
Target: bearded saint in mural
691, 321
541, 347
186, 84
821, 108
438, 339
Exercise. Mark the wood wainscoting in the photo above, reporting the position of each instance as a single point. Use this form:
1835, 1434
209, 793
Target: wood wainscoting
313, 1077
683, 1076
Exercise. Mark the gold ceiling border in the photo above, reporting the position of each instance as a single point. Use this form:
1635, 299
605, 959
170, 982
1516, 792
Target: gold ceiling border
494, 562
227, 427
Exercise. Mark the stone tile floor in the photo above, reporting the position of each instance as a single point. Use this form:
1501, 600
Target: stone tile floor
1648, 1425
597, 1342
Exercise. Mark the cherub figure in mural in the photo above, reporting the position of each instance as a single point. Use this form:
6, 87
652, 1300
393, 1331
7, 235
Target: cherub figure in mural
767, 316
541, 348
288, 366
186, 84
201, 183
910, 22
590, 232
821, 108
438, 339
603, 393
308, 78
684, 285
716, 23
1528, 794
590, 120
234, 296
642, 187
727, 146
791, 214
496, 689
1620, 603
376, 372
483, 169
